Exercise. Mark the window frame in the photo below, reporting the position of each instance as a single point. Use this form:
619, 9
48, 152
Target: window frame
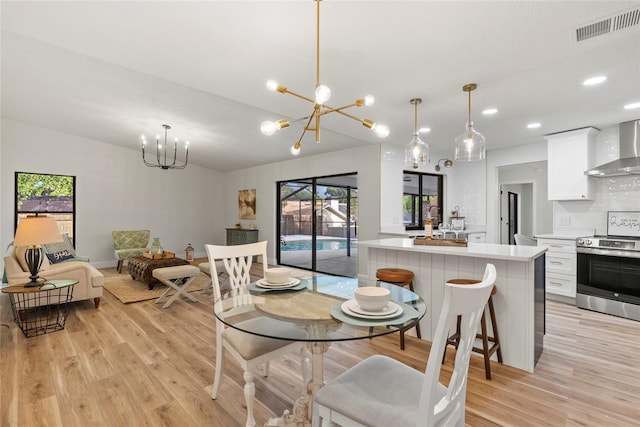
417, 206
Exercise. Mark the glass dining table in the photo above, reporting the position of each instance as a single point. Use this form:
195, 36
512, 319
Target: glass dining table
321, 306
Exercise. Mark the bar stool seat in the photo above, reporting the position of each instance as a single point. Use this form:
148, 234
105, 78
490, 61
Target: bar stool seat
399, 277
486, 350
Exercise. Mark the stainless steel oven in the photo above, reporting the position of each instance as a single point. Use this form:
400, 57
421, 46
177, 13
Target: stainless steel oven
608, 274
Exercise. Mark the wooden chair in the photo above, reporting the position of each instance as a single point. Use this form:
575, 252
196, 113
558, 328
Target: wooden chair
380, 391
249, 350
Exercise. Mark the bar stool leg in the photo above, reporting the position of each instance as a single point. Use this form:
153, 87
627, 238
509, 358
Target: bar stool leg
494, 326
485, 346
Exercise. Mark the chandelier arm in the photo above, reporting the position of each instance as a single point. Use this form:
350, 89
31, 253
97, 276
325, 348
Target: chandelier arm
350, 116
301, 97
328, 109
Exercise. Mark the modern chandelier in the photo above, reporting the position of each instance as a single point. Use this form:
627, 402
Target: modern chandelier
162, 160
416, 152
470, 145
321, 96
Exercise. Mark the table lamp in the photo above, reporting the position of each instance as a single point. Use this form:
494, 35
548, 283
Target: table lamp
32, 232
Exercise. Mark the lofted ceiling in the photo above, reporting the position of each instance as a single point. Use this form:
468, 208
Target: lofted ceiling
111, 71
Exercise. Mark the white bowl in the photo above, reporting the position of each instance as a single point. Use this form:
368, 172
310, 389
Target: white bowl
277, 275
372, 298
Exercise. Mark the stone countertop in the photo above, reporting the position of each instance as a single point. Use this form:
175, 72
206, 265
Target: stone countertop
559, 236
478, 250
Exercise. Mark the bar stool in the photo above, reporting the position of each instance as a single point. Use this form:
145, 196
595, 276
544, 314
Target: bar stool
486, 350
399, 277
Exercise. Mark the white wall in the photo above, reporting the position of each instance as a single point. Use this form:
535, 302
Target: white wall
364, 161
114, 190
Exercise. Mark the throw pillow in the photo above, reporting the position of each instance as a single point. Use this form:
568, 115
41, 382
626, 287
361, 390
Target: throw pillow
61, 256
65, 245
20, 251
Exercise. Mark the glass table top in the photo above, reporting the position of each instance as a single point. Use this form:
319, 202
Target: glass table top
315, 307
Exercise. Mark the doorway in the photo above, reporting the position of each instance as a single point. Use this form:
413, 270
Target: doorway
318, 224
516, 211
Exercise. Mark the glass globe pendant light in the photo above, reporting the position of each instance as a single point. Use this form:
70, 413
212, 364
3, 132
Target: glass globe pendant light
470, 145
416, 152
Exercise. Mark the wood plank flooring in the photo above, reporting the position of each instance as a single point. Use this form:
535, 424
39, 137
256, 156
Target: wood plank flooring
140, 365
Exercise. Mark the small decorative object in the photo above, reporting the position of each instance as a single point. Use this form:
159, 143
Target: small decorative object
189, 252
247, 204
156, 248
237, 226
251, 226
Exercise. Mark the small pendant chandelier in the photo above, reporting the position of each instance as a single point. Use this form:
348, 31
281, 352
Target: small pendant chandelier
416, 152
470, 145
162, 161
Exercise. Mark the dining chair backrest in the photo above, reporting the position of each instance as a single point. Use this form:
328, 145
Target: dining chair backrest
524, 240
237, 263
469, 302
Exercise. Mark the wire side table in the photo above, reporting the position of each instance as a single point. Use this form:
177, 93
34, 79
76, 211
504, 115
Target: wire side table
41, 309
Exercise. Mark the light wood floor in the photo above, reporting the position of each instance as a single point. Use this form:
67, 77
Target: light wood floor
140, 365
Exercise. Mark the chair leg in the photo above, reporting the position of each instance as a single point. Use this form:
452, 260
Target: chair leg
218, 374
494, 327
402, 339
119, 267
96, 302
485, 346
249, 396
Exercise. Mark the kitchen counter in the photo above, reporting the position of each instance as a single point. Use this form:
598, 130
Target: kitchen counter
519, 302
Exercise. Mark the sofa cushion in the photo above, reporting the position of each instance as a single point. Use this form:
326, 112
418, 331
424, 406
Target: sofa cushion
20, 251
60, 256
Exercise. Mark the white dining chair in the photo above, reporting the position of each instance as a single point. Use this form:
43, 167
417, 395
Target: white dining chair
380, 391
248, 349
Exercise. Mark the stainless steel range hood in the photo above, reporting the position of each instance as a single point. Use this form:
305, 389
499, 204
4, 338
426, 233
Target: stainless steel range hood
629, 162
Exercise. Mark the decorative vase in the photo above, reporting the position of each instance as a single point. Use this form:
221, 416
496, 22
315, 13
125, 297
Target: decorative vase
156, 248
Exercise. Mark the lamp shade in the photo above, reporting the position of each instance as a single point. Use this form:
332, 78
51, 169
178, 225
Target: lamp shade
37, 230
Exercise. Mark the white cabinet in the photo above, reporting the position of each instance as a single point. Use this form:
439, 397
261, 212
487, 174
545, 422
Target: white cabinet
477, 237
561, 261
569, 154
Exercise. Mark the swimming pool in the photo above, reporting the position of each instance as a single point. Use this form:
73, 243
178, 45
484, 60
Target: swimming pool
321, 245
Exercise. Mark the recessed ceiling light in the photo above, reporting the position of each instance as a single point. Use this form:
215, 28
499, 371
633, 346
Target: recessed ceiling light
533, 125
490, 111
594, 80
424, 130
632, 106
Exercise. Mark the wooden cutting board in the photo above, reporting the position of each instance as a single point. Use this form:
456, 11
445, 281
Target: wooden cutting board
441, 242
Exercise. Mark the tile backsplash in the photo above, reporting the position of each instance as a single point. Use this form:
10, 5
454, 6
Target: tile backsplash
620, 193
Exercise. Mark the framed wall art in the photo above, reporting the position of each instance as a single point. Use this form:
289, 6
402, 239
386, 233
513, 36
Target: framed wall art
247, 204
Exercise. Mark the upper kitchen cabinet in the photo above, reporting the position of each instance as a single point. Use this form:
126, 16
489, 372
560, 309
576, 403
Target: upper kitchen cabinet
569, 155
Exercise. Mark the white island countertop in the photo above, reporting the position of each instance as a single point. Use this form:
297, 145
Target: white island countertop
478, 250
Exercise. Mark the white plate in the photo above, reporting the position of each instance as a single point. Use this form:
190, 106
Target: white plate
352, 308
262, 283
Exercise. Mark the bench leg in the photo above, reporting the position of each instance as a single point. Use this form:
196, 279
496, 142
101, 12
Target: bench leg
179, 288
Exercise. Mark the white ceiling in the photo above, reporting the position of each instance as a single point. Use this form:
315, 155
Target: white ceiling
111, 71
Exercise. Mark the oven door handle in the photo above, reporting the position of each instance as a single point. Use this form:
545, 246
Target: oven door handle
608, 252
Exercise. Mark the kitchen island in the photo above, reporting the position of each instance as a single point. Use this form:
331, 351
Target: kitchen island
519, 302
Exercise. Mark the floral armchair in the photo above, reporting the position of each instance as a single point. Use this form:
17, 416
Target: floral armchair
128, 244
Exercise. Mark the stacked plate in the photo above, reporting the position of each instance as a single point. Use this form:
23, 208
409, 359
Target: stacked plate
352, 308
262, 283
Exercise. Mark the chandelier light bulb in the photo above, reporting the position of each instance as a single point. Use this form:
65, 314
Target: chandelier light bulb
272, 85
322, 94
295, 149
381, 130
268, 128
369, 100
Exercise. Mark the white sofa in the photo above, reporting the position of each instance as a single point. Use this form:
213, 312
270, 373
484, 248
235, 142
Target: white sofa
90, 280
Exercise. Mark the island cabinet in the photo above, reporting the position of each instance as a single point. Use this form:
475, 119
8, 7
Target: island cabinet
569, 155
519, 301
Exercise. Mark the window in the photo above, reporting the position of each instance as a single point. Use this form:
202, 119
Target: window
53, 195
422, 198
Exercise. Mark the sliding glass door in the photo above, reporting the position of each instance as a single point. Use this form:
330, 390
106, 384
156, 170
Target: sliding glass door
318, 224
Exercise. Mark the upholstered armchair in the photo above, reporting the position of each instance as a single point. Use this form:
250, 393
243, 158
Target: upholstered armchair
128, 244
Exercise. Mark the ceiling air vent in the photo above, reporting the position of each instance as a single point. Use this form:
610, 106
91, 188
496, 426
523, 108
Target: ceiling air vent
605, 26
